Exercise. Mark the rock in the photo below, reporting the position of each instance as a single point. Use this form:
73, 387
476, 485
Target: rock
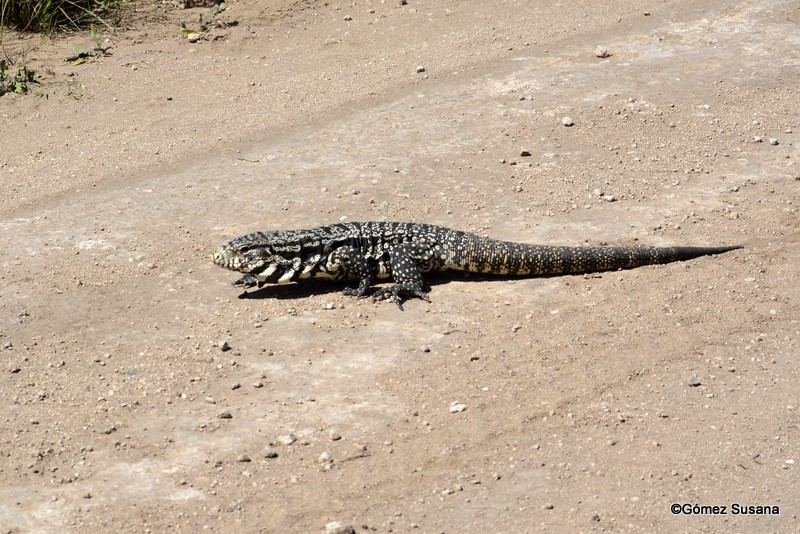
567, 121
337, 527
420, 68
525, 154
325, 458
694, 381
224, 346
773, 141
243, 458
225, 414
601, 52
287, 439
348, 17
334, 435
457, 407
269, 452
193, 37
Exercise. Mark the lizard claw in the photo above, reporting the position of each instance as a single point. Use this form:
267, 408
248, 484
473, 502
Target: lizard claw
247, 281
397, 291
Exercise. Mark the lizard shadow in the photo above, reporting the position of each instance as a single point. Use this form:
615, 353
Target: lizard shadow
295, 291
312, 287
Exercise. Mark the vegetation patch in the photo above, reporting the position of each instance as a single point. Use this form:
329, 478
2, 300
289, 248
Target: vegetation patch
46, 16
19, 82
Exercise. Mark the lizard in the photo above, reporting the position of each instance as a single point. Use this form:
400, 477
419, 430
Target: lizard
369, 251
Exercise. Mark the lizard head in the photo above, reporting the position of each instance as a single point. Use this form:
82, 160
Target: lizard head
252, 254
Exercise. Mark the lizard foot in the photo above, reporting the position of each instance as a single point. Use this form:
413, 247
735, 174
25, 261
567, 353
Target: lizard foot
397, 292
247, 281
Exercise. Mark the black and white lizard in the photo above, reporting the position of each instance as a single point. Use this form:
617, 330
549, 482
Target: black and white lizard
366, 251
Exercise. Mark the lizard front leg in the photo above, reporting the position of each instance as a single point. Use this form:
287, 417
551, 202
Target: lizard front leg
406, 261
348, 262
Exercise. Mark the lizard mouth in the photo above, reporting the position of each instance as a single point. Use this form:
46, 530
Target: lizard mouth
225, 260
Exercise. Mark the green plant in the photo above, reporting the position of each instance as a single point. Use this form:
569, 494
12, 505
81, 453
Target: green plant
46, 16
19, 83
82, 54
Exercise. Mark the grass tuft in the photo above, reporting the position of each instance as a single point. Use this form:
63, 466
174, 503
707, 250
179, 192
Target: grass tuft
47, 16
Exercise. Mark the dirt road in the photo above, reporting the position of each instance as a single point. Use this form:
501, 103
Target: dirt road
139, 393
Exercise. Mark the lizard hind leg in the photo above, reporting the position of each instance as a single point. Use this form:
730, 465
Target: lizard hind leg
407, 273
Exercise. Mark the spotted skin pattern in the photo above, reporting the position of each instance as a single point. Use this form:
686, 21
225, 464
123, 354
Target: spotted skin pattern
369, 251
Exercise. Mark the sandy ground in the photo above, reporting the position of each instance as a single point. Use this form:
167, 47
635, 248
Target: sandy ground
120, 410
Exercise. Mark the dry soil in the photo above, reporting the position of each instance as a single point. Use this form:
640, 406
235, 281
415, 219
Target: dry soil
139, 393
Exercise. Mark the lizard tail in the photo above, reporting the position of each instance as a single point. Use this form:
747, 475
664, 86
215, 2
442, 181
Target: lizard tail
504, 257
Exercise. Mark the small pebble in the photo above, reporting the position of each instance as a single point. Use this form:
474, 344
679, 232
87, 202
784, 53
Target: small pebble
225, 414
348, 17
325, 458
525, 154
601, 52
236, 386
694, 381
258, 385
548, 506
337, 527
773, 141
420, 68
288, 439
758, 139
7, 345
243, 458
269, 452
224, 346
609, 198
211, 400
567, 121
334, 435
193, 37
456, 407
